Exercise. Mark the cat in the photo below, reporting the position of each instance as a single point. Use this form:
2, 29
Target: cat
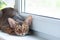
0, 17
20, 29
6, 13
13, 26
0, 13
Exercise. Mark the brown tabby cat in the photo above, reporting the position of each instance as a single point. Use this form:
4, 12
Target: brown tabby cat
6, 13
20, 29
11, 26
0, 13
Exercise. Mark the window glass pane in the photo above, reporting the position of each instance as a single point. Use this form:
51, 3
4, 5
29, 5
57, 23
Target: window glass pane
43, 7
7, 3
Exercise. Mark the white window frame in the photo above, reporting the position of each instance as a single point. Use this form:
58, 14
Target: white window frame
20, 5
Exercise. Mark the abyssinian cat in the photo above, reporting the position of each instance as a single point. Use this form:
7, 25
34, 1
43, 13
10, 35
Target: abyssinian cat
11, 26
20, 29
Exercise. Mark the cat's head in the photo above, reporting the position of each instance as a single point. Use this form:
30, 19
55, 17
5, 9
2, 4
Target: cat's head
20, 29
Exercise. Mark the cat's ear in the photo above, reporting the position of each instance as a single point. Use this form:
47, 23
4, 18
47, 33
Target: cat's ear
28, 20
11, 22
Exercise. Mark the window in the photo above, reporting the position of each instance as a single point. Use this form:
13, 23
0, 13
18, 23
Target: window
49, 8
10, 3
7, 3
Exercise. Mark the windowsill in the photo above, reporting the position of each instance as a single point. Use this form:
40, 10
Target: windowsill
10, 37
45, 24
